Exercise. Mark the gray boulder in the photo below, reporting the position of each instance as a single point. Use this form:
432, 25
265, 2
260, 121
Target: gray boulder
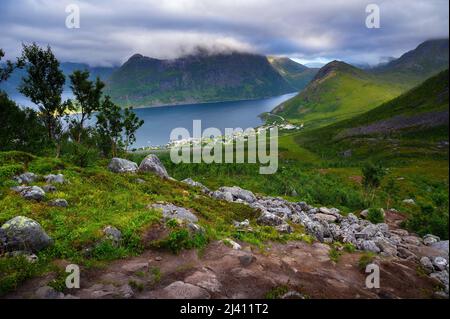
223, 196
239, 193
284, 228
55, 179
439, 263
23, 233
325, 218
442, 246
368, 245
120, 165
49, 188
426, 264
60, 202
386, 247
429, 239
30, 192
269, 219
193, 183
152, 164
171, 211
26, 178
113, 234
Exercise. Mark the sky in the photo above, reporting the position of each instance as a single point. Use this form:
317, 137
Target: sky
308, 31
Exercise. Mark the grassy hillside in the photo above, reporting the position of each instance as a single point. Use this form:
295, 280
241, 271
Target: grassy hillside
296, 74
337, 92
144, 81
413, 67
414, 123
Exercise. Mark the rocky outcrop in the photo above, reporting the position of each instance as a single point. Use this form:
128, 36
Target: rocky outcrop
153, 165
23, 233
120, 165
193, 183
26, 178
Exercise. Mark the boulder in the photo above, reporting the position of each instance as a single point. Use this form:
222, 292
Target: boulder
325, 218
222, 196
30, 192
171, 211
412, 240
55, 179
429, 239
409, 201
246, 259
120, 165
113, 234
386, 247
60, 202
26, 178
23, 233
245, 223
193, 183
442, 246
232, 243
284, 228
48, 292
439, 263
182, 290
269, 219
368, 245
239, 193
404, 253
49, 188
426, 264
152, 164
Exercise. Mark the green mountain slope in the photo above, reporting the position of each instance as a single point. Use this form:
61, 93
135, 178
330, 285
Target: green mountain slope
195, 78
414, 123
296, 74
413, 67
338, 91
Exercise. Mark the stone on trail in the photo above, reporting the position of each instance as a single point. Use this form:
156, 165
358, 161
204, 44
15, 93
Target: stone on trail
182, 290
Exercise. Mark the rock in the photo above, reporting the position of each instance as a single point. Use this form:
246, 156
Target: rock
139, 181
125, 291
30, 192
246, 259
243, 224
232, 243
59, 203
411, 240
171, 211
195, 228
56, 179
182, 290
113, 234
400, 232
352, 219
47, 292
426, 264
120, 165
158, 258
269, 219
370, 231
439, 263
294, 193
205, 279
49, 188
429, 239
133, 267
30, 257
386, 247
409, 201
442, 277
441, 246
284, 228
152, 164
222, 196
23, 233
368, 245
239, 193
193, 183
325, 218
26, 178
404, 253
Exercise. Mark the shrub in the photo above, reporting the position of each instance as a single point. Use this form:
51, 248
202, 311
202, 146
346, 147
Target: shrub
366, 259
375, 215
372, 175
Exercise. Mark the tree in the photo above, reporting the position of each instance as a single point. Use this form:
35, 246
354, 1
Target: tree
131, 124
43, 84
110, 123
88, 94
372, 176
5, 71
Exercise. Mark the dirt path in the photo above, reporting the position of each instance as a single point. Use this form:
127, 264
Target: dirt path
221, 272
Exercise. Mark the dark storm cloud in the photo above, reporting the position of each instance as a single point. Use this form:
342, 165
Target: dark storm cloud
113, 30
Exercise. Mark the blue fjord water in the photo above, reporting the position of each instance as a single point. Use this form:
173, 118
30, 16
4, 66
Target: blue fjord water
159, 121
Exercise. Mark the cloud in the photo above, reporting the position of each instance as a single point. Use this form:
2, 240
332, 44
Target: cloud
113, 30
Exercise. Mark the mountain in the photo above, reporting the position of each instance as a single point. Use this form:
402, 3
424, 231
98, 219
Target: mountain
296, 74
338, 91
195, 78
10, 86
415, 122
413, 67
